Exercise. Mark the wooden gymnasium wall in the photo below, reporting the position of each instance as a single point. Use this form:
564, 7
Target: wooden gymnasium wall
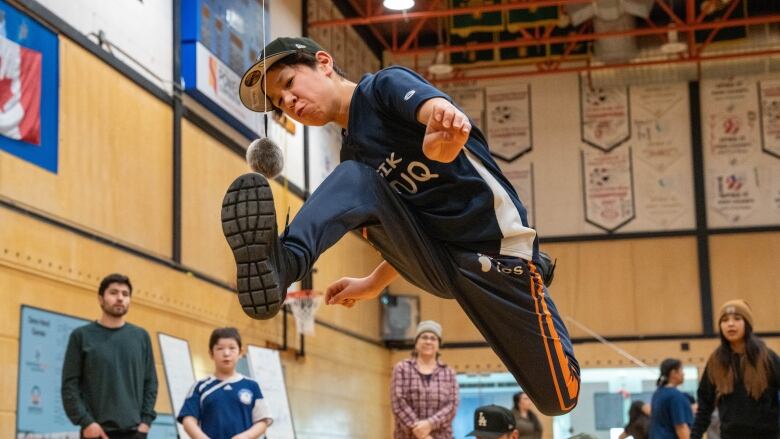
115, 183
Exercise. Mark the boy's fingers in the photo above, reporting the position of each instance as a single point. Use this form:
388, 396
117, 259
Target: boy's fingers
449, 115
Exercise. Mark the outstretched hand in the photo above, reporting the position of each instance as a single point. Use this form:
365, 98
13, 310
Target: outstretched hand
348, 290
446, 133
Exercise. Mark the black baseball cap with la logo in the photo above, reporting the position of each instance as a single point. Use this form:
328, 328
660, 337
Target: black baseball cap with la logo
251, 89
492, 421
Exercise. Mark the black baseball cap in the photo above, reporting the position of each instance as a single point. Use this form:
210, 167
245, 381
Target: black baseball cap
492, 421
250, 90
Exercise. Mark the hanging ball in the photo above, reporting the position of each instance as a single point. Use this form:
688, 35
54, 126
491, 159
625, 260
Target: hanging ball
265, 157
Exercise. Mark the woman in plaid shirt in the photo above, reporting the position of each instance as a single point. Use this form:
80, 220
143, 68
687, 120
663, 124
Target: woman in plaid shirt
424, 391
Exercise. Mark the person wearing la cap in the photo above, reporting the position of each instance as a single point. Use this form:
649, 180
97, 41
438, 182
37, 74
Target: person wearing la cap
423, 390
418, 178
494, 422
741, 379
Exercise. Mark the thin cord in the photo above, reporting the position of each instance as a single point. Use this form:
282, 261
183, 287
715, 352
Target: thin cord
265, 80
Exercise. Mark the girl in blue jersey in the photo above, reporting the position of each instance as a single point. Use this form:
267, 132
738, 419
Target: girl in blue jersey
226, 405
419, 181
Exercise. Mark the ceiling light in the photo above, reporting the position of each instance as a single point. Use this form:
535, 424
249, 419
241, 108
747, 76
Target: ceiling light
672, 45
440, 65
398, 5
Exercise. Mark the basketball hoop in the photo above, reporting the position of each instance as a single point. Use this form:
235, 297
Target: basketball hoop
304, 304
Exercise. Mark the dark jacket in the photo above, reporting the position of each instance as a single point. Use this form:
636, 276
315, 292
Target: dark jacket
741, 417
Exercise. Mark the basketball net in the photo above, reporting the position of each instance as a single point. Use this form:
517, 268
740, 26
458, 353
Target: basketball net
304, 306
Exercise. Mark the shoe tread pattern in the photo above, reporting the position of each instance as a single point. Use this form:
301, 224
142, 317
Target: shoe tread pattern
249, 225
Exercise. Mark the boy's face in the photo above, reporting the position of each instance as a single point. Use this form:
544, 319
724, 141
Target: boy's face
306, 95
225, 354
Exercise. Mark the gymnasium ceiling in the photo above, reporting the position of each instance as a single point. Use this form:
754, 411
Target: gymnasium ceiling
553, 35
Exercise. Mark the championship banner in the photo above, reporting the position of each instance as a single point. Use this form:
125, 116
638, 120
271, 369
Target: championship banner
508, 111
769, 107
472, 101
608, 188
660, 120
734, 193
521, 176
605, 116
729, 120
220, 39
663, 203
29, 89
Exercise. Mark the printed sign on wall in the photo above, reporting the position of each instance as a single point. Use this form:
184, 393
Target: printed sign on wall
608, 188
605, 117
769, 106
29, 88
508, 112
219, 41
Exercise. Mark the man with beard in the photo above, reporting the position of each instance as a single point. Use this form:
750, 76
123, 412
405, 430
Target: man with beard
109, 384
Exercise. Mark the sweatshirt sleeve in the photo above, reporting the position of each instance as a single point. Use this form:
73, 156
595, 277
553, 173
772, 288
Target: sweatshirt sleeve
72, 400
706, 400
150, 385
400, 92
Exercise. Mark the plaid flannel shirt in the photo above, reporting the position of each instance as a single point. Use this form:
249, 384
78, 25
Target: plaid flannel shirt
414, 399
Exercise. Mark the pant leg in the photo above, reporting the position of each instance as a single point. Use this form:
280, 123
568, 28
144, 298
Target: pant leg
507, 301
512, 312
354, 196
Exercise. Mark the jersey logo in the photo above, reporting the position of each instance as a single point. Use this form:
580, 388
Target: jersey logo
245, 396
409, 95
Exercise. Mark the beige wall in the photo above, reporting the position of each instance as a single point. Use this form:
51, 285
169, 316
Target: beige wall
115, 180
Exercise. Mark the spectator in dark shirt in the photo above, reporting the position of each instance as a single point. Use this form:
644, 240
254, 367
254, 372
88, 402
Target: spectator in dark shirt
741, 380
670, 415
109, 384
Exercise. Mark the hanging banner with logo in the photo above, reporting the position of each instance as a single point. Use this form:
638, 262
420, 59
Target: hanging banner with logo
769, 106
734, 192
220, 39
729, 120
663, 202
29, 89
605, 116
472, 101
660, 114
608, 188
509, 129
521, 175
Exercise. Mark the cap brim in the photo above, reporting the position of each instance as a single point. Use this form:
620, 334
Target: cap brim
250, 91
485, 434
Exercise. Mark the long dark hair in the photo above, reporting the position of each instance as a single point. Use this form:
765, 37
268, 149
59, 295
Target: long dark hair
635, 412
667, 366
531, 415
755, 371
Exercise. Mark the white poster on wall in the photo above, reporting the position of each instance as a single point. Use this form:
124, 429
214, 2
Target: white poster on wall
659, 111
769, 106
608, 188
508, 112
734, 192
605, 116
266, 368
730, 120
663, 202
179, 373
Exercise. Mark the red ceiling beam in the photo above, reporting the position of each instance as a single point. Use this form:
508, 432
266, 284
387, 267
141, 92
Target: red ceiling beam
386, 18
372, 29
766, 19
458, 77
417, 27
714, 32
662, 4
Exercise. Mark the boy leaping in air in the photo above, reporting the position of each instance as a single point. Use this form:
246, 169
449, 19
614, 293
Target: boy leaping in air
420, 181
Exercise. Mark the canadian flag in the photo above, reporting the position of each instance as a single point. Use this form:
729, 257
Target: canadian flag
20, 92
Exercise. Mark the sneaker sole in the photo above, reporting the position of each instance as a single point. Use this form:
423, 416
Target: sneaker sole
249, 225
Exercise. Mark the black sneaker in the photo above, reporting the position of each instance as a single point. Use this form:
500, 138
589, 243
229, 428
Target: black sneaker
249, 224
547, 268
